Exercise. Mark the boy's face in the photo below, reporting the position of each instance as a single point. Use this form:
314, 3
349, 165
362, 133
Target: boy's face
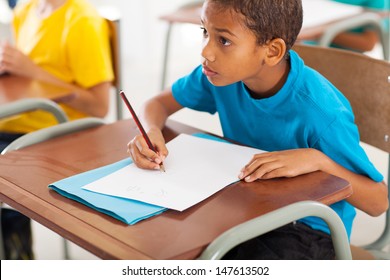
230, 53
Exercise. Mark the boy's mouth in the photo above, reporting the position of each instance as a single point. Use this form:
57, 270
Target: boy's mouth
208, 72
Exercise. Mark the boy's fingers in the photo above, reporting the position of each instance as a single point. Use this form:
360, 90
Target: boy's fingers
140, 160
162, 152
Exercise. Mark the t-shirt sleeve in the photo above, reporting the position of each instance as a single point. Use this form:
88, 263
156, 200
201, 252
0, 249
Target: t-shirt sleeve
348, 152
194, 91
89, 52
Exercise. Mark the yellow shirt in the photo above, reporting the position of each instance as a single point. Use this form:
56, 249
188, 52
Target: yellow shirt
72, 44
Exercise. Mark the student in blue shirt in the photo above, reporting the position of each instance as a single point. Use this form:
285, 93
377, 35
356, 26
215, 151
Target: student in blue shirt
267, 98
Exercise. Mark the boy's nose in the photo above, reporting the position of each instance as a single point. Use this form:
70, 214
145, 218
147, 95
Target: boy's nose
207, 51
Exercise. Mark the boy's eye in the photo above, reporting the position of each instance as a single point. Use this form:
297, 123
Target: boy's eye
225, 42
204, 31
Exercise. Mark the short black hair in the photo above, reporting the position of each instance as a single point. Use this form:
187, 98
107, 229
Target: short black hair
269, 19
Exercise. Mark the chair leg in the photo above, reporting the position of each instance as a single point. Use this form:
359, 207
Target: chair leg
166, 56
66, 249
119, 110
2, 249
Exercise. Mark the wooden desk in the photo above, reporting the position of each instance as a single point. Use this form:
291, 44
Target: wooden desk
13, 88
25, 175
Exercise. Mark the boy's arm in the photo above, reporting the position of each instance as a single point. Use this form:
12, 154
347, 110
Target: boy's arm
368, 196
153, 116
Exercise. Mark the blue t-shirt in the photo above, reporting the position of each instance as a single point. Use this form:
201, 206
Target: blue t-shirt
308, 112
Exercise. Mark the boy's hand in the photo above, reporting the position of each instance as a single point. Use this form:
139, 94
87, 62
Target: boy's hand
289, 163
144, 157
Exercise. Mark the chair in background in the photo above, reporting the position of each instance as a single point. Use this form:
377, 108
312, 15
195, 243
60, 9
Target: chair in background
113, 19
44, 135
365, 81
30, 104
52, 132
374, 20
189, 13
25, 105
275, 219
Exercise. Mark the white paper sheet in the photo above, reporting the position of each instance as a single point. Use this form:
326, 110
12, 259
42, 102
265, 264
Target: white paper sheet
196, 168
318, 12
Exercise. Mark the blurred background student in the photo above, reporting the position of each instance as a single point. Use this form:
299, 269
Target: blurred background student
62, 42
362, 39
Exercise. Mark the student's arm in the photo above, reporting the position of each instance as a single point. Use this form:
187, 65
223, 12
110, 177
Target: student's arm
93, 101
153, 116
368, 196
362, 42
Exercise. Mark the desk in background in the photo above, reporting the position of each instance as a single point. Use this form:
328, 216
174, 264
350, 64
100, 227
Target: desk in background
170, 235
13, 88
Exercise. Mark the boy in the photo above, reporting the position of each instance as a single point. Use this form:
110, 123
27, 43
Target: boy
267, 98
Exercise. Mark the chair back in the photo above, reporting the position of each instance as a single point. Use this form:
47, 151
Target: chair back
51, 132
113, 19
114, 26
32, 104
365, 81
275, 219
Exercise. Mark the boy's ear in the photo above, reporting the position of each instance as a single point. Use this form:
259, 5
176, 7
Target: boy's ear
276, 51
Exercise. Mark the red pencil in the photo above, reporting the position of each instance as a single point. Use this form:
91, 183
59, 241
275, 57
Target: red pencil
139, 125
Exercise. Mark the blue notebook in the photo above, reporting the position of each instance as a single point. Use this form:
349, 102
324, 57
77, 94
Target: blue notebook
126, 210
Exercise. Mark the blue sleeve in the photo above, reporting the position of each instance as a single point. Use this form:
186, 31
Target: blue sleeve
194, 91
348, 152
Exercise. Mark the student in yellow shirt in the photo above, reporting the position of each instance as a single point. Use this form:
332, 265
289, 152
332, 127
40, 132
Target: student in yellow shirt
63, 42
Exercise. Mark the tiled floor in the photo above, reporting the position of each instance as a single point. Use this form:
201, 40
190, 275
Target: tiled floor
142, 58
